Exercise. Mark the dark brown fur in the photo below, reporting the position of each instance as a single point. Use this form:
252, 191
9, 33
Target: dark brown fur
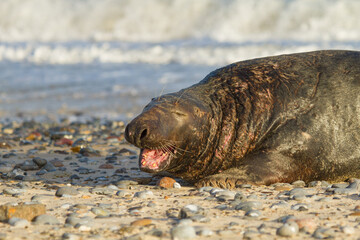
275, 119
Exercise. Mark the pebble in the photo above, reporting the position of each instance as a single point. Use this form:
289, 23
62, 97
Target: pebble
106, 166
176, 185
40, 162
66, 191
298, 183
253, 213
56, 163
75, 220
166, 182
204, 232
288, 229
49, 167
100, 212
205, 189
323, 233
18, 222
141, 222
249, 205
4, 145
348, 230
339, 185
125, 184
281, 204
71, 236
239, 196
225, 195
306, 224
6, 167
13, 191
191, 210
144, 194
102, 191
46, 219
123, 193
29, 165
300, 207
183, 232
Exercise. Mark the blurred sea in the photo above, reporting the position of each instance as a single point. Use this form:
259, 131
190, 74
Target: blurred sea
108, 58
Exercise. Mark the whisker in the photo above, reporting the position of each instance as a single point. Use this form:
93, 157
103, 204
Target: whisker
177, 101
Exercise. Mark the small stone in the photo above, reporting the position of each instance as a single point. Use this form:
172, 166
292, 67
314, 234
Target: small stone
82, 228
25, 211
183, 232
288, 229
49, 167
6, 168
4, 145
339, 185
348, 230
282, 188
46, 219
29, 165
281, 204
57, 163
225, 195
71, 236
67, 191
144, 194
239, 196
100, 212
344, 191
253, 213
102, 191
123, 193
249, 205
205, 232
323, 233
300, 207
166, 182
106, 166
177, 185
39, 161
191, 210
63, 142
357, 213
13, 191
306, 224
205, 189
298, 183
141, 222
18, 222
125, 184
75, 220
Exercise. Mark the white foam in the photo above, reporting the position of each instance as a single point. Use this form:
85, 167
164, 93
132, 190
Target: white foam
158, 20
213, 54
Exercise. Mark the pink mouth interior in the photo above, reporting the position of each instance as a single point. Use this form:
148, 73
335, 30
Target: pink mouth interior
152, 158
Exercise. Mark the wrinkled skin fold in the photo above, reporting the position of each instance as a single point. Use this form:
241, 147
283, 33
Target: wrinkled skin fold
274, 119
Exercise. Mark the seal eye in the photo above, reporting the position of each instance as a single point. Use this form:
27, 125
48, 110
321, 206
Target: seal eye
180, 114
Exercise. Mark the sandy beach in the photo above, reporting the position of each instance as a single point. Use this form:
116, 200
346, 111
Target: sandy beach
86, 177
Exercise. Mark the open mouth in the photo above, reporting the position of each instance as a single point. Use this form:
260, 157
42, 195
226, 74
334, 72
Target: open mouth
154, 160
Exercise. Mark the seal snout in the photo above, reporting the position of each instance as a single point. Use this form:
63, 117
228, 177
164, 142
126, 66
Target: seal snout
136, 133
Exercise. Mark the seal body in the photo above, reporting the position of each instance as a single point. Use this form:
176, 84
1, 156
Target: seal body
273, 119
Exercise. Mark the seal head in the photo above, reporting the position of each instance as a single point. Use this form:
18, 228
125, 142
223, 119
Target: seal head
165, 132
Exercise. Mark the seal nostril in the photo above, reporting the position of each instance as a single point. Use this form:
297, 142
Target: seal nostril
143, 133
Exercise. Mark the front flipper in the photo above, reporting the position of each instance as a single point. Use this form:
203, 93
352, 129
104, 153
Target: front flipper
257, 169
